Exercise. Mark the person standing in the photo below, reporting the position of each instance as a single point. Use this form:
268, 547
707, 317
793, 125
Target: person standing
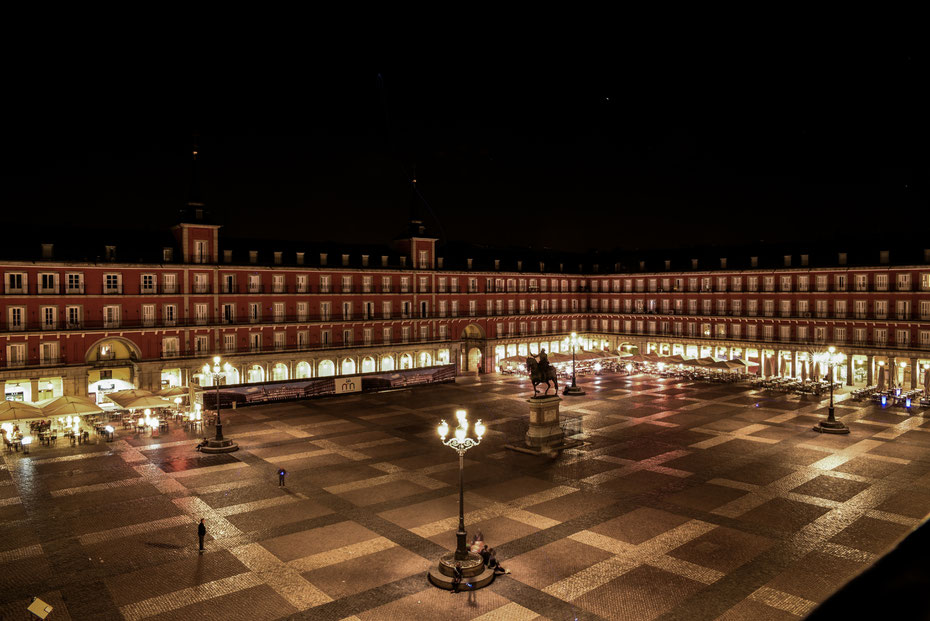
201, 533
281, 474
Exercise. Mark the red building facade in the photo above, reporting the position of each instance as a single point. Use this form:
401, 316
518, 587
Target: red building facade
73, 327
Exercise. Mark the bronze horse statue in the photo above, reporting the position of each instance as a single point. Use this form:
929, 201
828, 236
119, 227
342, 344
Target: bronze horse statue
538, 376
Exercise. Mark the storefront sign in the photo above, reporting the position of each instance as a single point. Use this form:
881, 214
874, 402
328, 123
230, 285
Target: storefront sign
348, 384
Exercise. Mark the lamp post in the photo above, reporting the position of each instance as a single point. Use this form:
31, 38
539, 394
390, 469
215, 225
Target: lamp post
573, 341
219, 444
461, 443
831, 425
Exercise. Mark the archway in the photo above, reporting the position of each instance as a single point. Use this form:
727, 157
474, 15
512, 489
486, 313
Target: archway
442, 357
112, 348
406, 361
473, 331
255, 374
279, 372
426, 359
348, 367
326, 369
302, 370
474, 359
368, 364
232, 376
387, 363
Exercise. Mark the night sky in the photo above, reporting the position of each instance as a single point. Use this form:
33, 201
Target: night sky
658, 149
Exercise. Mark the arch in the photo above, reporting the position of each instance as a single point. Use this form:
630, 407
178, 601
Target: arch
425, 359
348, 367
473, 331
368, 364
120, 349
387, 362
406, 361
442, 356
303, 370
511, 350
326, 369
170, 377
474, 359
279, 372
255, 373
232, 376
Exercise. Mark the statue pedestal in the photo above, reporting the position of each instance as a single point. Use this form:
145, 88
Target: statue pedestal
545, 435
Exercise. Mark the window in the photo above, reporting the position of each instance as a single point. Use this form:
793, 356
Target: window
366, 336
366, 284
200, 314
148, 283
386, 310
455, 308
201, 343
255, 312
229, 342
148, 314
16, 317
255, 283
347, 310
277, 283
302, 311
73, 313
75, 283
48, 353
48, 283
303, 339
386, 335
278, 310
200, 251
424, 259
255, 341
170, 283
111, 316
302, 283
280, 339
111, 283
170, 314
169, 346
229, 313
16, 354
881, 282
346, 284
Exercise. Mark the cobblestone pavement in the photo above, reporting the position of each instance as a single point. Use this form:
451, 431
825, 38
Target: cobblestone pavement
687, 501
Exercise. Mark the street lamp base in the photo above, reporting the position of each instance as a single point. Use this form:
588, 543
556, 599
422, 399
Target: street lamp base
573, 391
835, 426
475, 574
219, 446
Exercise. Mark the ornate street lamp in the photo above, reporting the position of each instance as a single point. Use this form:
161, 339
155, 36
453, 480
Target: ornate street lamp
460, 443
472, 565
218, 444
831, 425
573, 342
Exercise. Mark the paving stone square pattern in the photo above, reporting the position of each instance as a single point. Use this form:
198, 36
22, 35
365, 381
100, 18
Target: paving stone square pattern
686, 501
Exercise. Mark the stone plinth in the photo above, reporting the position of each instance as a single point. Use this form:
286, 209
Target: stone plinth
475, 574
219, 446
545, 435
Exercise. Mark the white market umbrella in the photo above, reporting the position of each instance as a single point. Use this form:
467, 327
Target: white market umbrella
17, 410
67, 404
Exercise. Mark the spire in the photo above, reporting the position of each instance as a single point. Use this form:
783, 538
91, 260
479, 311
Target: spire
416, 203
193, 210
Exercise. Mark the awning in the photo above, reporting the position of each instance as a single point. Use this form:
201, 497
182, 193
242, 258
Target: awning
70, 405
19, 411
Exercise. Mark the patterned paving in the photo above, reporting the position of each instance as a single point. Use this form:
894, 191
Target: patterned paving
687, 501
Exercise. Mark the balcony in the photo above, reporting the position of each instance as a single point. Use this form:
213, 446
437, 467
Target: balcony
78, 290
230, 288
201, 289
279, 288
171, 289
253, 288
346, 289
117, 290
151, 290
325, 289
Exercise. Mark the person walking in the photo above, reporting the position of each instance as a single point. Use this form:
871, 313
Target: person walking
457, 576
281, 474
201, 533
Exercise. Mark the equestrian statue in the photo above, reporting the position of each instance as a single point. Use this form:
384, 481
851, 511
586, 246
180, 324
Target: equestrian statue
541, 372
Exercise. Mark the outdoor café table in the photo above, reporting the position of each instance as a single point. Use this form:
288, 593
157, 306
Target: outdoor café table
163, 425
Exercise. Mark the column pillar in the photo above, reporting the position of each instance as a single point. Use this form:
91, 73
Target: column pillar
870, 362
34, 388
794, 363
892, 371
849, 371
914, 371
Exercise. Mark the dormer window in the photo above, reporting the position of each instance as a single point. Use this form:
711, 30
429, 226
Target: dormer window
167, 255
253, 256
110, 253
323, 258
47, 251
345, 259
384, 260
497, 264
227, 256
300, 258
754, 261
403, 261
278, 256
364, 260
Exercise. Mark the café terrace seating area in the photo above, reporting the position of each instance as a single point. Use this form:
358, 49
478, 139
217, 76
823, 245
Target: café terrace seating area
73, 419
